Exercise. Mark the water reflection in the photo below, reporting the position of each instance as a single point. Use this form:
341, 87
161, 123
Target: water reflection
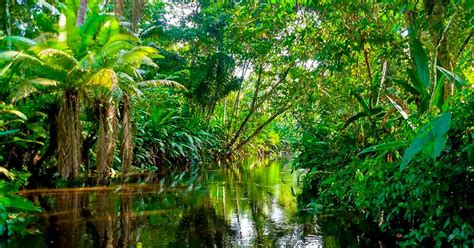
250, 207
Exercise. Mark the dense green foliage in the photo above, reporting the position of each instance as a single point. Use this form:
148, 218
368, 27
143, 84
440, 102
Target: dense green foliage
373, 99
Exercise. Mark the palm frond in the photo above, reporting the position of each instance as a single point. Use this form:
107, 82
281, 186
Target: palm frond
136, 56
57, 57
106, 78
18, 42
28, 87
110, 51
108, 29
160, 83
15, 56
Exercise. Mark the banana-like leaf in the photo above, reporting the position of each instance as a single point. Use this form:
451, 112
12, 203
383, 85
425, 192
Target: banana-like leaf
430, 140
417, 83
452, 77
437, 96
398, 107
421, 62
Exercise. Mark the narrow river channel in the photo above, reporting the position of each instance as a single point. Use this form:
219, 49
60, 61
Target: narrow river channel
249, 205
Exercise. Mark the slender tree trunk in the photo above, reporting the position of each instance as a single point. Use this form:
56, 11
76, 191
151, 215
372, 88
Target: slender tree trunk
106, 140
69, 135
127, 137
436, 12
256, 104
235, 112
137, 13
224, 112
81, 13
5, 18
260, 128
118, 8
253, 108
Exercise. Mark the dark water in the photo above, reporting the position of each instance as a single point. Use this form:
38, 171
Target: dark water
250, 207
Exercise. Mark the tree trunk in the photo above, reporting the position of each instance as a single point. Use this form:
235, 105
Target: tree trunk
118, 8
105, 148
81, 13
127, 141
260, 128
69, 135
137, 13
436, 12
5, 18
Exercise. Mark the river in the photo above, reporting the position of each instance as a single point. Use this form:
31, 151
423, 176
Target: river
250, 204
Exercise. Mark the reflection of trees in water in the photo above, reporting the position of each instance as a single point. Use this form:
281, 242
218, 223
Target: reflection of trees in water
202, 227
105, 220
66, 224
126, 218
91, 220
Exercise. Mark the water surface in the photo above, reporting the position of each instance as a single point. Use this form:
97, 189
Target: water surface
252, 206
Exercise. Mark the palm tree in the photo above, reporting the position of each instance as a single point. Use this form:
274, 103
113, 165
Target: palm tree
87, 60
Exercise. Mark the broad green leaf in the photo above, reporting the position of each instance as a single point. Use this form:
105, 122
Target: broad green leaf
437, 96
421, 62
430, 140
418, 85
452, 77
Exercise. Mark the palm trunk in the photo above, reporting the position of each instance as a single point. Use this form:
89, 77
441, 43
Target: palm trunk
69, 135
81, 13
106, 140
118, 8
127, 142
137, 13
